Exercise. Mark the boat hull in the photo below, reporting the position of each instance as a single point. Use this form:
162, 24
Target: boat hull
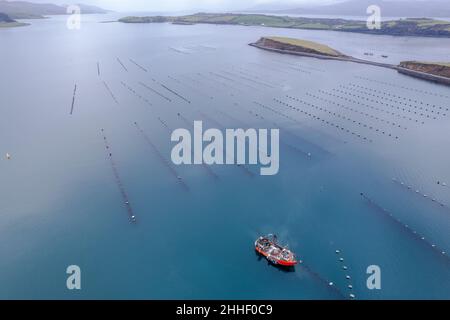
274, 261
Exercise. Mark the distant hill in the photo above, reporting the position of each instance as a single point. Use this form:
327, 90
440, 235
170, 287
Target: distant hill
28, 10
5, 18
392, 8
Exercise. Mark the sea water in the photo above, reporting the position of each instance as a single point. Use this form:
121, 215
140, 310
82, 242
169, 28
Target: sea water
60, 204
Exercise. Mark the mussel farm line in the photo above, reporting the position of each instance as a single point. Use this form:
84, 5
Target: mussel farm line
347, 276
154, 91
137, 65
394, 124
73, 99
403, 87
123, 66
324, 121
118, 180
368, 106
110, 92
338, 115
406, 228
136, 94
172, 91
417, 102
419, 193
162, 158
243, 167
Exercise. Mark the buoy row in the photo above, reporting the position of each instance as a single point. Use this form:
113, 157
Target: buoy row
347, 276
137, 65
172, 91
98, 69
419, 193
406, 227
73, 99
281, 114
399, 97
192, 88
407, 110
258, 82
110, 92
123, 66
252, 74
294, 67
329, 284
324, 121
136, 94
234, 81
118, 180
223, 84
166, 162
404, 87
368, 106
355, 110
179, 51
155, 91
338, 115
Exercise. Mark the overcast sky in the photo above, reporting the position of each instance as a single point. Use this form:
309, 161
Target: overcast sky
181, 5
194, 5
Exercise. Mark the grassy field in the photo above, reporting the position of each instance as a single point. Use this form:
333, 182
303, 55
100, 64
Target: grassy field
402, 27
320, 48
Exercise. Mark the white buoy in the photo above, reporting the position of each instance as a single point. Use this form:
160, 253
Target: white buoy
350, 286
337, 251
331, 283
352, 296
8, 156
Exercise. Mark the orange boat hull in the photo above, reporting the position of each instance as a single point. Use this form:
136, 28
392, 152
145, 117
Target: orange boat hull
277, 261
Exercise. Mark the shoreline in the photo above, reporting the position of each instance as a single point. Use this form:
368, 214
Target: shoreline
409, 72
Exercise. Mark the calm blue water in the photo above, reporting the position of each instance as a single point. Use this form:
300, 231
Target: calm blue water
59, 204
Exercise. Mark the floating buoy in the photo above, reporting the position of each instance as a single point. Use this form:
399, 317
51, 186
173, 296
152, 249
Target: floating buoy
337, 251
350, 286
331, 283
341, 259
347, 277
352, 296
344, 267
8, 156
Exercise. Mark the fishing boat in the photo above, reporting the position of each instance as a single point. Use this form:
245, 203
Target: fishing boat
275, 253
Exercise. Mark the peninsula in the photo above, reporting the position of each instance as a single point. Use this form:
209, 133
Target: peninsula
420, 27
433, 71
7, 22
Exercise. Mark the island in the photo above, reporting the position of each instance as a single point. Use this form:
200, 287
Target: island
297, 46
421, 27
7, 22
433, 71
